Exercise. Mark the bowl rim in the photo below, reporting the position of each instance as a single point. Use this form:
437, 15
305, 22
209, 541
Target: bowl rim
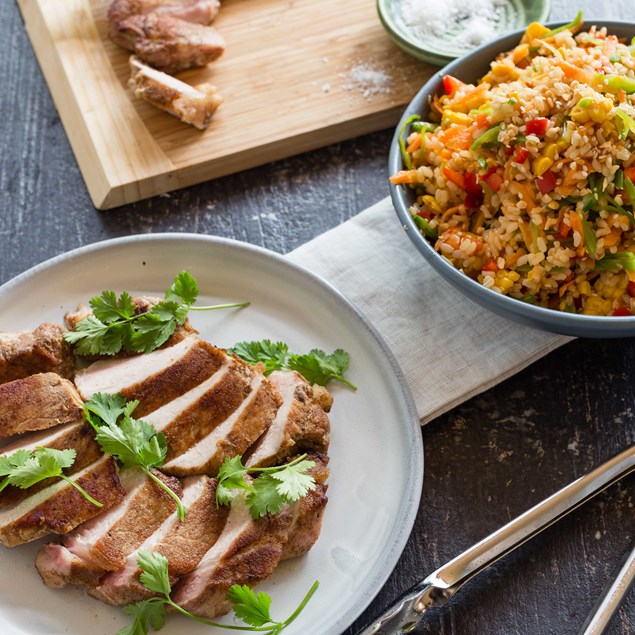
552, 319
416, 46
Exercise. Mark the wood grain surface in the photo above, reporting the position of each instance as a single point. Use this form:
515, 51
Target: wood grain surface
485, 462
290, 78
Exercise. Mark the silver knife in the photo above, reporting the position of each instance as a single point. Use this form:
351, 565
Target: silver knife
442, 584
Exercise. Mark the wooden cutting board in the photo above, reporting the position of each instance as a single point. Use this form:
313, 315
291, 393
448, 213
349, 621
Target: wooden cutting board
296, 75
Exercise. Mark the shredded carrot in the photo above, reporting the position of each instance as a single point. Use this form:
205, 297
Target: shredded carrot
576, 222
456, 137
511, 260
527, 237
573, 72
454, 177
470, 99
404, 176
415, 144
621, 95
490, 265
630, 172
436, 102
481, 119
613, 238
448, 212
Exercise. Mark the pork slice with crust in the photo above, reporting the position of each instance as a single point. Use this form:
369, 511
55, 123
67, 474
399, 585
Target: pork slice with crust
246, 552
154, 378
183, 543
60, 508
39, 351
104, 543
78, 436
232, 436
192, 416
301, 423
167, 43
194, 105
198, 11
38, 402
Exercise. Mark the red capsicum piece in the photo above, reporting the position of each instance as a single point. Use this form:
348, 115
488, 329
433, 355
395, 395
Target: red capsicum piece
451, 84
471, 183
622, 311
537, 126
547, 182
631, 289
494, 180
521, 155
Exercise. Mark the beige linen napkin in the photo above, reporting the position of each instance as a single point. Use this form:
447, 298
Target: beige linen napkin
449, 348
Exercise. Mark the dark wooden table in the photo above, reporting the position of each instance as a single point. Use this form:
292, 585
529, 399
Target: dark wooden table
485, 462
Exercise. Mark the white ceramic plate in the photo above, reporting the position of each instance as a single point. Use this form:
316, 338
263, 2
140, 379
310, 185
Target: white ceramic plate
376, 449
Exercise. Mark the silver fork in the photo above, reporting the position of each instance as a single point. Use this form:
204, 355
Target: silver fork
442, 584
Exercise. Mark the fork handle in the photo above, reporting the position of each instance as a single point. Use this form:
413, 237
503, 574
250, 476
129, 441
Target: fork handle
612, 597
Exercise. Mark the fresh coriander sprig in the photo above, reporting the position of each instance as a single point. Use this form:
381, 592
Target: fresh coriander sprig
114, 324
268, 493
25, 468
131, 441
316, 367
251, 608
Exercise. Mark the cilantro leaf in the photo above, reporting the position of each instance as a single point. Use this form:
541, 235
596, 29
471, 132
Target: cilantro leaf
265, 498
108, 309
250, 608
272, 355
116, 325
318, 368
147, 611
293, 482
106, 408
155, 571
184, 289
230, 476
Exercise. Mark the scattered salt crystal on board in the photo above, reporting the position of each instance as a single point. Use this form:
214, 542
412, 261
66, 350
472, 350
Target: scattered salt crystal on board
368, 80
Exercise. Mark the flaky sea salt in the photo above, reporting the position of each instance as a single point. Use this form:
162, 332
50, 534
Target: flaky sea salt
463, 23
368, 80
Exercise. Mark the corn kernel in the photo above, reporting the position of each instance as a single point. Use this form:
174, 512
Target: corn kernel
550, 151
534, 30
456, 117
504, 72
584, 287
431, 202
520, 51
540, 166
580, 115
595, 305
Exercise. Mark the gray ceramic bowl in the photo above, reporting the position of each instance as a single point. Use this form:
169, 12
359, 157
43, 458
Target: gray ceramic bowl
469, 69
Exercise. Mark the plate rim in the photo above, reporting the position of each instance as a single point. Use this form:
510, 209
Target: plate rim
410, 497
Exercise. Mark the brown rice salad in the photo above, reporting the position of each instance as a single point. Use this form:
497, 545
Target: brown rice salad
525, 181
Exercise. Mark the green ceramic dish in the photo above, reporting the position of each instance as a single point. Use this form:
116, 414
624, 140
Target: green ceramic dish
441, 49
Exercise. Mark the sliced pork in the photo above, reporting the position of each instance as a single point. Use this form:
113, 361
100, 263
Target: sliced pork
197, 11
38, 402
104, 543
78, 436
183, 543
195, 414
167, 43
231, 437
301, 423
246, 552
60, 508
194, 105
39, 351
154, 378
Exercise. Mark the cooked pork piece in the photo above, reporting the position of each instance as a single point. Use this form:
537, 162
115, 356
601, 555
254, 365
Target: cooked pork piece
142, 305
155, 378
231, 437
37, 402
60, 508
192, 416
194, 105
40, 351
246, 552
168, 44
183, 543
104, 543
198, 11
78, 436
306, 522
300, 425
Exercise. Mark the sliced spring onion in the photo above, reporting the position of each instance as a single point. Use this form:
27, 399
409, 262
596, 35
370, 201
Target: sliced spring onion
407, 160
615, 83
585, 102
618, 180
489, 136
614, 262
482, 162
588, 203
630, 191
624, 123
573, 26
590, 240
616, 207
424, 226
423, 126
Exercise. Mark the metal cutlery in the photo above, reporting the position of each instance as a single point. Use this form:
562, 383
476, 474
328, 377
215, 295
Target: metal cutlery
435, 590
